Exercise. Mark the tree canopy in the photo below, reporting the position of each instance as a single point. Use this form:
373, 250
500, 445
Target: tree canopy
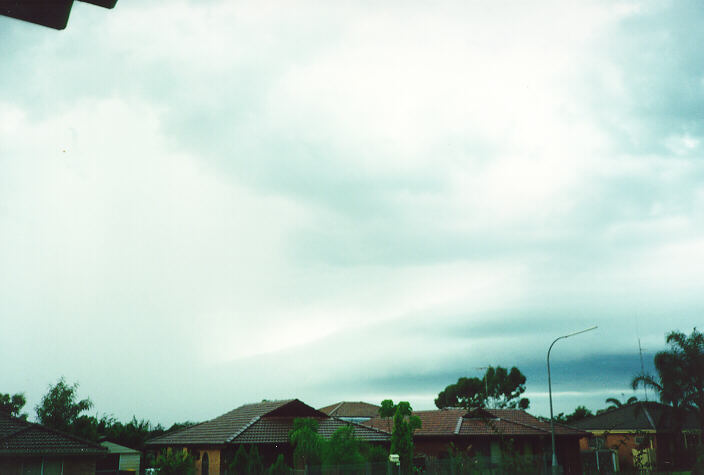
499, 388
307, 443
405, 423
13, 404
175, 462
343, 448
615, 403
680, 378
580, 412
61, 409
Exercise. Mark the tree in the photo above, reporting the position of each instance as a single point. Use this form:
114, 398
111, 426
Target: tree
132, 434
255, 464
307, 443
405, 423
175, 462
580, 412
374, 453
680, 380
180, 425
240, 462
498, 388
343, 448
61, 409
13, 404
279, 467
614, 403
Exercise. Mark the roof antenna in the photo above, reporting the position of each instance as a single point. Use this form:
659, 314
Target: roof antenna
486, 386
642, 369
640, 352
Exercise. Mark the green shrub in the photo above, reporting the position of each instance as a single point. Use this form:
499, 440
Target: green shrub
175, 462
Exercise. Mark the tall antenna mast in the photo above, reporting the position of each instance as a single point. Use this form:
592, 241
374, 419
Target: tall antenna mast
640, 352
642, 369
486, 386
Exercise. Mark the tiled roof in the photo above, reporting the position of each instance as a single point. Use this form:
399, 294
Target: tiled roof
351, 409
264, 422
328, 426
439, 422
221, 429
637, 416
276, 430
488, 422
519, 417
18, 437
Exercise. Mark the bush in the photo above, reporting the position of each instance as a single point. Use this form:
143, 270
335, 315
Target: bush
279, 467
175, 462
240, 462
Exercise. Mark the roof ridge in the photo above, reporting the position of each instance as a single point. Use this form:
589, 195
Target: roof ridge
336, 408
447, 410
242, 429
648, 416
459, 424
360, 425
522, 423
178, 431
566, 426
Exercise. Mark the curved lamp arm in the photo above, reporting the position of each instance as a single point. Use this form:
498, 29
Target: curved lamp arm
552, 420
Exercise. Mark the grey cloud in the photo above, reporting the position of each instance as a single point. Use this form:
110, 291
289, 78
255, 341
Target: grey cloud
647, 87
367, 216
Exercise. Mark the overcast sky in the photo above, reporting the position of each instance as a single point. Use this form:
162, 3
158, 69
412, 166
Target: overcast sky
208, 203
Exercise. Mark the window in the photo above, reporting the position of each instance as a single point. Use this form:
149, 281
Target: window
32, 467
46, 466
642, 441
53, 467
597, 443
204, 464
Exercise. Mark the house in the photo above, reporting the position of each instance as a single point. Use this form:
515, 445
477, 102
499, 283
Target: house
32, 448
643, 434
491, 437
265, 425
119, 458
352, 411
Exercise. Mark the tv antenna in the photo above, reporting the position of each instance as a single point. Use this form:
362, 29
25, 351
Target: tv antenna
642, 369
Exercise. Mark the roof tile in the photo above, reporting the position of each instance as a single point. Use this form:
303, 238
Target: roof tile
637, 416
351, 409
265, 422
21, 437
446, 422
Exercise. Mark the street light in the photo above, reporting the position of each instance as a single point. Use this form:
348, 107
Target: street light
552, 421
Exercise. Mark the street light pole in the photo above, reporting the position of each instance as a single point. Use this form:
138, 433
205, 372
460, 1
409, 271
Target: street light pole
552, 420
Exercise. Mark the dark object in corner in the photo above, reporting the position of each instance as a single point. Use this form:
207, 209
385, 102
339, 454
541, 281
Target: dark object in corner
51, 13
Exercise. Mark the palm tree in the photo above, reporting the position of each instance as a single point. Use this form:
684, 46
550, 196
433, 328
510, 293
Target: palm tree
680, 381
615, 403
